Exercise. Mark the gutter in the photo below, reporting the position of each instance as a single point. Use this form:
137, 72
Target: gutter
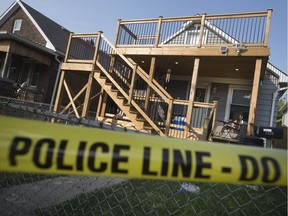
56, 82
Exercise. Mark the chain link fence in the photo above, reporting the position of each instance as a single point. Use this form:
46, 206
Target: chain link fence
35, 194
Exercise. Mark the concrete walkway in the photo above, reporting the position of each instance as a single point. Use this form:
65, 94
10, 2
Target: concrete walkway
23, 199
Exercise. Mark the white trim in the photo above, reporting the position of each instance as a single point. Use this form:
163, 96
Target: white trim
7, 11
48, 42
229, 97
18, 24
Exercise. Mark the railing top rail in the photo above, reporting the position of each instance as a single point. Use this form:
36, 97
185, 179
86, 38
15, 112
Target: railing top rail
80, 35
197, 17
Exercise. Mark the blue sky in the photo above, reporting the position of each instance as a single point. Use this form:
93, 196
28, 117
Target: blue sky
83, 16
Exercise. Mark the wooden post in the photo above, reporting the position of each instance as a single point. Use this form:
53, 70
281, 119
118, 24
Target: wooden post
58, 98
117, 32
151, 75
103, 105
268, 22
98, 111
214, 113
192, 93
201, 33
6, 65
87, 95
158, 31
59, 92
168, 117
97, 46
254, 96
132, 83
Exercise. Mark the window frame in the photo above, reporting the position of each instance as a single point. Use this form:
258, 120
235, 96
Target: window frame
18, 24
230, 98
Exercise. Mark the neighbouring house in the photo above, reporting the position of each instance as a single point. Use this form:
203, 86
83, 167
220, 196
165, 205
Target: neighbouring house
284, 112
31, 49
176, 76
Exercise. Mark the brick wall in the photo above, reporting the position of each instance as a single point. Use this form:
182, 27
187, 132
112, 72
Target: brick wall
28, 29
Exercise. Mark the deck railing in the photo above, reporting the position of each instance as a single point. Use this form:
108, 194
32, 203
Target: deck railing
251, 29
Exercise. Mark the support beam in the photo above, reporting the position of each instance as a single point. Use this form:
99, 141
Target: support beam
58, 99
6, 65
151, 75
192, 93
267, 30
254, 96
103, 105
87, 95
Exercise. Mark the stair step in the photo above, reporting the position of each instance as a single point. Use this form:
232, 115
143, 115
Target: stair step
141, 119
120, 97
147, 128
134, 111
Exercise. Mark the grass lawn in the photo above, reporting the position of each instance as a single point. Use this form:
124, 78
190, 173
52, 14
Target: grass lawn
147, 197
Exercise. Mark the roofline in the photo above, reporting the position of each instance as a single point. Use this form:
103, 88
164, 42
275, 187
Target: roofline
12, 36
49, 44
7, 11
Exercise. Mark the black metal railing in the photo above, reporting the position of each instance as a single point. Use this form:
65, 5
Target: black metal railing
201, 30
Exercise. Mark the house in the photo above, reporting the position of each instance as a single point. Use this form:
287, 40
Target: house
175, 76
169, 76
31, 49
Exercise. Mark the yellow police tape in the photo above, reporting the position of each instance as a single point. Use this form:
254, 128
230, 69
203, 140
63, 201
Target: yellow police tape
32, 146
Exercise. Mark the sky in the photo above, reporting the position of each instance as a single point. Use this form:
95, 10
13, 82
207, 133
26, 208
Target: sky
86, 16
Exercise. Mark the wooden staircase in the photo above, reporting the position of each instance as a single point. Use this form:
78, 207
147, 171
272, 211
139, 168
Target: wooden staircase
132, 110
144, 101
121, 79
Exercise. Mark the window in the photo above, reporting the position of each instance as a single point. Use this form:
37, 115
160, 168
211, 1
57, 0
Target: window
238, 103
17, 26
35, 75
25, 72
30, 73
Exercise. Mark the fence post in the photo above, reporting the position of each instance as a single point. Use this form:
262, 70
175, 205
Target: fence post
201, 33
132, 83
158, 31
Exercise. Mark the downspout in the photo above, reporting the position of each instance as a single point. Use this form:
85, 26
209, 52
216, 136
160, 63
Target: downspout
273, 104
56, 82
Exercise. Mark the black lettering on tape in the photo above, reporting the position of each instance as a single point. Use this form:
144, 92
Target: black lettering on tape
80, 156
201, 164
117, 158
14, 148
244, 160
48, 154
186, 166
92, 157
146, 163
60, 157
165, 162
276, 170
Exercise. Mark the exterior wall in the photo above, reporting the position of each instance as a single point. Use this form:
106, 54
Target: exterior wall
28, 29
211, 38
221, 97
265, 99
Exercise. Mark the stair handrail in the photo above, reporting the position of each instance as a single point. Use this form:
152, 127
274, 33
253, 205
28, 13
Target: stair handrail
159, 90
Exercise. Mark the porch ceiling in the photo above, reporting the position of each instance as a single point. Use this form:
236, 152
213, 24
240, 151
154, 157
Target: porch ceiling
222, 67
